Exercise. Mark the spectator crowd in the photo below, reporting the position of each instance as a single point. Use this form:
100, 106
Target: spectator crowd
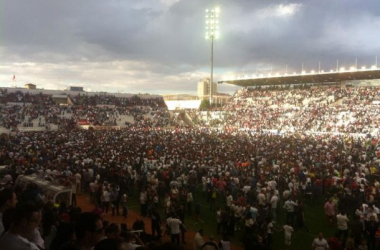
247, 176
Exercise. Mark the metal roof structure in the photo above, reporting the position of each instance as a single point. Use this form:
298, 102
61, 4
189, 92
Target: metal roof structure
304, 78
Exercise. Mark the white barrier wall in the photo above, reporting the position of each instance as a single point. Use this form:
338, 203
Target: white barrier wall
185, 104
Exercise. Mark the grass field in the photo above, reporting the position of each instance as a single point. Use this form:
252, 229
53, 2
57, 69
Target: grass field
314, 214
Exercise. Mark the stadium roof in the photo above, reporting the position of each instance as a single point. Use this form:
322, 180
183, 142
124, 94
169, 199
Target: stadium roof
319, 77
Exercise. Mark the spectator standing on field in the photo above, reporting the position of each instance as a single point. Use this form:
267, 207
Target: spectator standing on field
174, 225
198, 240
290, 211
288, 230
330, 211
320, 243
342, 220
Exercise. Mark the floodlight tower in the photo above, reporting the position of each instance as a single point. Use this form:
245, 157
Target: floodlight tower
212, 32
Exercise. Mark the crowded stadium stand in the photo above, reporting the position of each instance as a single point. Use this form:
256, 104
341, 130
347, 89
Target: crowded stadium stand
37, 111
340, 109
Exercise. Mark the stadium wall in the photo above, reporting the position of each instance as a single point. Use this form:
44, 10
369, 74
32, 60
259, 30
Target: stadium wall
183, 104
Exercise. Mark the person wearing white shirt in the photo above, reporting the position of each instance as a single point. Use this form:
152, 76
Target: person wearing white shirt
78, 178
106, 200
342, 220
189, 201
371, 213
143, 202
360, 213
246, 189
198, 240
174, 225
290, 213
273, 209
219, 220
229, 199
320, 243
288, 230
261, 198
286, 194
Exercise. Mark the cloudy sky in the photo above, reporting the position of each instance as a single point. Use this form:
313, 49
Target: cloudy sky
158, 46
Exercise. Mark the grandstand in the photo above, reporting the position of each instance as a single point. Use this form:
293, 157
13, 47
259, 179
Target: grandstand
338, 76
339, 107
40, 110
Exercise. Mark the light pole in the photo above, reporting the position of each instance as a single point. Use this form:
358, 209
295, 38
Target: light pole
212, 32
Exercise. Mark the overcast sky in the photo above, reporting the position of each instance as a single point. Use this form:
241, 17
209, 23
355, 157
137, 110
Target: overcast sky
158, 46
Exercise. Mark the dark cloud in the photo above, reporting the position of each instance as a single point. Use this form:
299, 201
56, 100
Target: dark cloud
164, 41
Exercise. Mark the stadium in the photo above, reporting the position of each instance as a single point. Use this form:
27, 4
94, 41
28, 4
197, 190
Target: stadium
289, 161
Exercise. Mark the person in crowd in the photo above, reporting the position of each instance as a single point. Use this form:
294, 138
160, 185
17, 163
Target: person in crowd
112, 231
363, 245
300, 216
342, 223
139, 224
334, 242
88, 231
320, 243
24, 221
143, 202
65, 233
225, 243
330, 211
198, 240
370, 231
49, 225
109, 244
133, 241
114, 200
123, 202
174, 225
219, 220
156, 223
8, 199
259, 244
189, 202
288, 230
106, 196
290, 210
350, 242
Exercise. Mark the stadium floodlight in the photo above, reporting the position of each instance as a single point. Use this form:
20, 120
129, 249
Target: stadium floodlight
374, 67
363, 68
312, 72
322, 71
352, 68
342, 69
277, 74
331, 70
212, 32
303, 72
261, 75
